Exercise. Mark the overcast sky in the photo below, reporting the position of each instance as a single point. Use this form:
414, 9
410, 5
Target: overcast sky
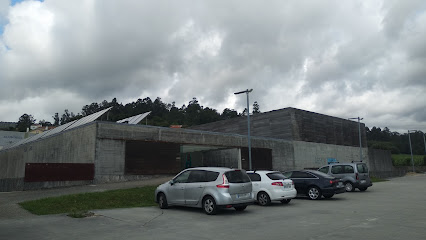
339, 58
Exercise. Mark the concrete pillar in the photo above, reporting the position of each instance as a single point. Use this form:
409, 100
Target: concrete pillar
240, 165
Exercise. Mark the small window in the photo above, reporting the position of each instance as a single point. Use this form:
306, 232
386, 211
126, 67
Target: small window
348, 169
275, 176
211, 176
362, 168
183, 177
254, 177
237, 176
324, 169
337, 169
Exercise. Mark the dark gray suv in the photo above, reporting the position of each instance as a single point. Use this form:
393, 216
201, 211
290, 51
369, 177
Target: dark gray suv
353, 175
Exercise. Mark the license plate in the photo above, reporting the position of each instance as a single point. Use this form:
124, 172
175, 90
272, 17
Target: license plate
340, 184
242, 195
363, 181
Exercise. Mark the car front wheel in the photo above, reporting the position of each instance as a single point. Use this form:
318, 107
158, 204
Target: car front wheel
162, 201
314, 193
209, 206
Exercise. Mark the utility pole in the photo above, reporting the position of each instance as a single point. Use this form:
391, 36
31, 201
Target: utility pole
359, 133
411, 149
248, 123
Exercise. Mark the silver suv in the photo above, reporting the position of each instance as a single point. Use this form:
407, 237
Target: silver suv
207, 188
353, 175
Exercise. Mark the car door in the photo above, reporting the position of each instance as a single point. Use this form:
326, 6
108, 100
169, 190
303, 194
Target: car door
299, 181
338, 171
176, 190
363, 174
195, 187
256, 182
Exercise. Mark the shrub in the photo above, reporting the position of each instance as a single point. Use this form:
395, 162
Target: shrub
405, 160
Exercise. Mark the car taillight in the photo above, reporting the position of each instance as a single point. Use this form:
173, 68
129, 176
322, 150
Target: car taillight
356, 176
225, 183
277, 184
334, 181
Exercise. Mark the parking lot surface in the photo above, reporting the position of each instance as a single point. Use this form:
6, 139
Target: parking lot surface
389, 210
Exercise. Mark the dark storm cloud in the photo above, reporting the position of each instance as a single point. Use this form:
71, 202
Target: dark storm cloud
339, 58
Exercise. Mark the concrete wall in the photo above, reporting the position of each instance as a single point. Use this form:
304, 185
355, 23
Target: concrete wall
221, 158
314, 155
294, 124
104, 144
109, 160
381, 164
74, 146
112, 135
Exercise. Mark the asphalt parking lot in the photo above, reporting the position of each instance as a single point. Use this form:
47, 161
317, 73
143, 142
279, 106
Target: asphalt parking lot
389, 210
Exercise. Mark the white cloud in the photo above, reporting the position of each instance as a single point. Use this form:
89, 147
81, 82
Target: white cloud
342, 58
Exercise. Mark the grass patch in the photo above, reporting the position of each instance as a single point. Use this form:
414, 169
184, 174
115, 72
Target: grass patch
80, 204
376, 179
405, 160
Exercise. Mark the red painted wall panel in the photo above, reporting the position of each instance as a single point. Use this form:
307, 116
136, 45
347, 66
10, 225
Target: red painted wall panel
43, 172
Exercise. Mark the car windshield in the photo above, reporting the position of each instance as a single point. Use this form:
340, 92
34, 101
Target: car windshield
276, 176
237, 176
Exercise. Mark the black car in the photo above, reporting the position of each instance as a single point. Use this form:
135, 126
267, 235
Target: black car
315, 184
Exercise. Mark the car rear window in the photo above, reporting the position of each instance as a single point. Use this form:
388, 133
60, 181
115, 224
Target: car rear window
323, 169
275, 176
362, 168
237, 176
348, 169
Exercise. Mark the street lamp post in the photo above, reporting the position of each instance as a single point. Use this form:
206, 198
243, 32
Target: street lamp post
359, 133
248, 123
411, 149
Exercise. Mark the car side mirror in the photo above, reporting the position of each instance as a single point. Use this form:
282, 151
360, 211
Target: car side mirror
172, 182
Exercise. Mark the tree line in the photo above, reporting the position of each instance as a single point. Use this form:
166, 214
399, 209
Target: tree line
396, 142
162, 114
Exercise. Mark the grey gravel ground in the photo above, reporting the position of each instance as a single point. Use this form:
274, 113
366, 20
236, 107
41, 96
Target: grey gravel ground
391, 210
9, 209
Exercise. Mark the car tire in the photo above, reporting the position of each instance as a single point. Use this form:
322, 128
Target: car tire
285, 201
209, 206
314, 193
362, 189
349, 187
263, 199
328, 195
241, 208
162, 201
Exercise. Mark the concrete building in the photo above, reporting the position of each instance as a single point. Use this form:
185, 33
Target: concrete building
99, 152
